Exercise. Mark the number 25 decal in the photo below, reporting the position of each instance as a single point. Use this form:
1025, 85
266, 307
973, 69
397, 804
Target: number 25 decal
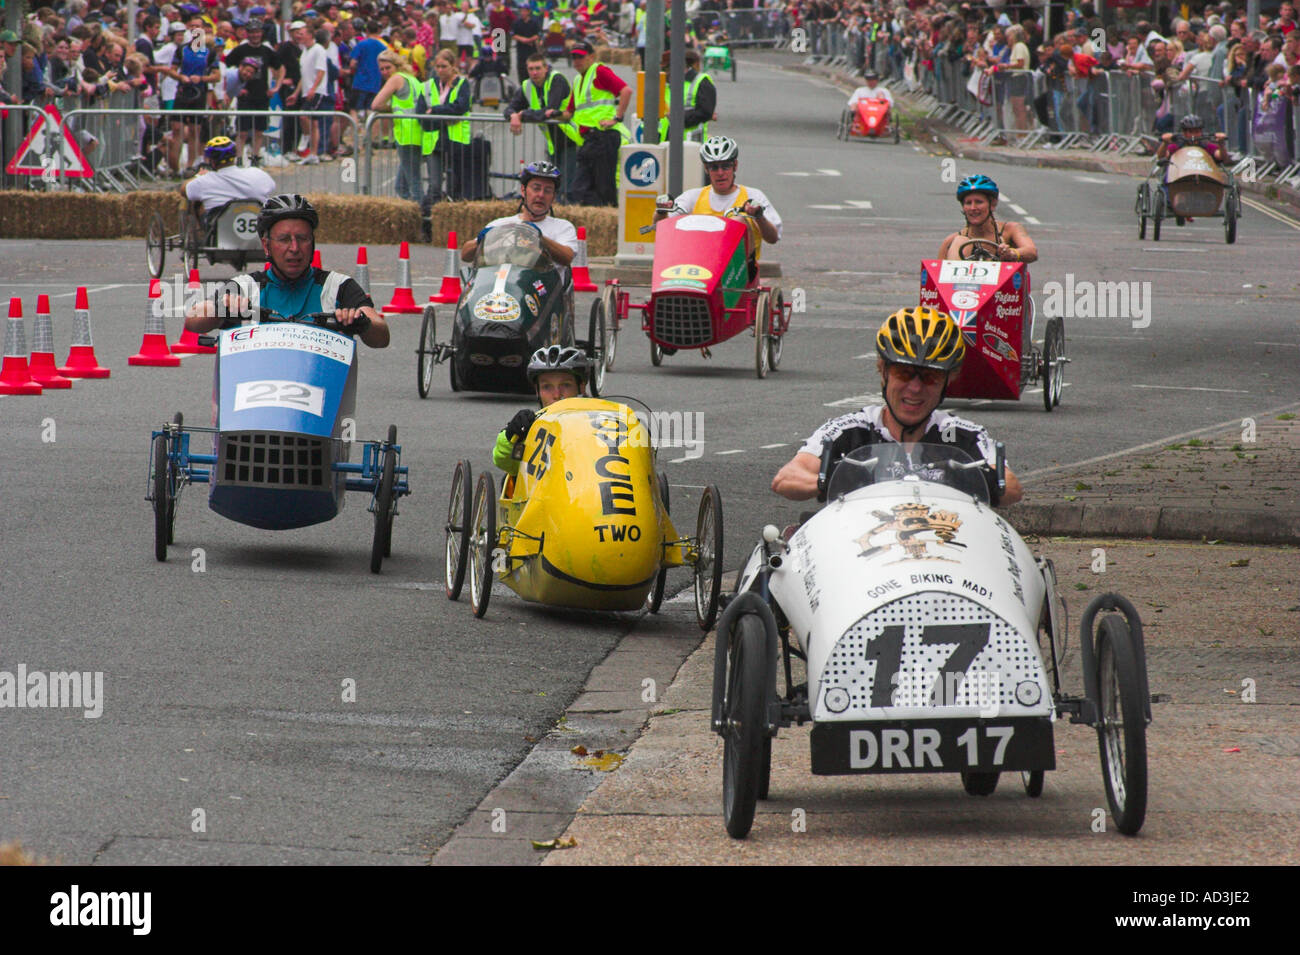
542, 451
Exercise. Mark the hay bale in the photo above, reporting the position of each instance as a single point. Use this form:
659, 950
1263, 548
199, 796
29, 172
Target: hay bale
357, 220
138, 208
60, 215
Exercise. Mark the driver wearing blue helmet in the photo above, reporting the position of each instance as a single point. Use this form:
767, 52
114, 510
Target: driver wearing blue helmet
1003, 241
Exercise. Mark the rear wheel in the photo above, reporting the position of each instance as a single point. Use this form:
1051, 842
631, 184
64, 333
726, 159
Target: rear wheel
979, 784
483, 543
1230, 219
425, 353
1121, 734
661, 581
155, 245
708, 561
458, 529
762, 310
744, 716
776, 337
596, 344
1141, 208
385, 499
1157, 211
1033, 782
162, 502
455, 376
1049, 369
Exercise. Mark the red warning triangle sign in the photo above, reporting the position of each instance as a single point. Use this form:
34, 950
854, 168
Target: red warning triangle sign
36, 157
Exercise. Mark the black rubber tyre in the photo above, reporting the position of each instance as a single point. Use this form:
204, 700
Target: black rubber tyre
455, 378
775, 338
162, 503
842, 131
178, 420
1230, 219
765, 767
1049, 368
425, 353
482, 545
708, 563
458, 527
1056, 328
155, 245
898, 130
1157, 212
979, 784
744, 714
381, 544
762, 315
189, 243
1033, 782
656, 355
1143, 199
1122, 733
609, 298
596, 348
656, 598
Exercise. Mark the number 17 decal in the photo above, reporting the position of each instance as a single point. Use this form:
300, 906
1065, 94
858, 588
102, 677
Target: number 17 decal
887, 651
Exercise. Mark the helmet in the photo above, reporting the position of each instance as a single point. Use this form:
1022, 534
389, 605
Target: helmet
541, 169
871, 75
719, 149
285, 206
558, 358
219, 151
920, 336
1191, 121
977, 183
256, 26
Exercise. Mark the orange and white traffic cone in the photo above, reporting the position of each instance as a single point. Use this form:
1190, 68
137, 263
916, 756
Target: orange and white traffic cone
449, 294
581, 277
41, 365
15, 377
403, 302
154, 352
189, 341
82, 362
362, 274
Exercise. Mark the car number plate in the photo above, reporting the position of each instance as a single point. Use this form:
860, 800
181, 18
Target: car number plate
932, 746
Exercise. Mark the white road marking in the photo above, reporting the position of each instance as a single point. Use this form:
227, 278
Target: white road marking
829, 172
1260, 207
1225, 391
1032, 221
768, 447
1019, 209
1174, 249
1280, 344
833, 208
859, 203
734, 451
1184, 271
91, 291
1090, 179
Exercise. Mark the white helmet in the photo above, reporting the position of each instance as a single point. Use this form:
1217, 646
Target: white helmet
719, 149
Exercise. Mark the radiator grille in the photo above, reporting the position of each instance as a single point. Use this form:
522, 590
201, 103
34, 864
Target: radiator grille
260, 459
683, 321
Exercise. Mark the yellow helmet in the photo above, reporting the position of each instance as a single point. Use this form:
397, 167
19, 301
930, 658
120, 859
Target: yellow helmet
921, 336
219, 151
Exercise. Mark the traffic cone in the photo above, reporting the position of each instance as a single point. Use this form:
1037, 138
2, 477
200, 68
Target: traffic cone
581, 277
403, 302
153, 348
189, 341
82, 362
15, 378
41, 365
449, 294
363, 270
315, 259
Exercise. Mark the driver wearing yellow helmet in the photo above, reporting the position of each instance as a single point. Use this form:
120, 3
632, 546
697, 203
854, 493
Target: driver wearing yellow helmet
919, 349
224, 181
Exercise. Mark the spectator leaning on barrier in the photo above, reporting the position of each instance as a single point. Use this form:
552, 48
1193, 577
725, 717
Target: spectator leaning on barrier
446, 144
541, 98
401, 93
597, 105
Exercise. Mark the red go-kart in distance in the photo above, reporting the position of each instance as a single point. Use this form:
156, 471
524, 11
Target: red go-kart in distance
990, 303
868, 119
703, 291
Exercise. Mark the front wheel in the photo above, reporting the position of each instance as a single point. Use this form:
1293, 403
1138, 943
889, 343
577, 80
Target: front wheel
776, 336
155, 245
744, 716
1230, 219
656, 354
1140, 207
609, 298
596, 344
458, 529
424, 361
661, 580
708, 560
979, 784
1048, 370
1157, 211
1121, 734
1032, 780
482, 545
381, 545
762, 311
163, 505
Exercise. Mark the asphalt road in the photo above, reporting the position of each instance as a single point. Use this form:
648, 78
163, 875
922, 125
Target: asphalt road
223, 689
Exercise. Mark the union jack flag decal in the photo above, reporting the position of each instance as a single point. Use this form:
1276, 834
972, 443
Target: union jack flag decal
965, 319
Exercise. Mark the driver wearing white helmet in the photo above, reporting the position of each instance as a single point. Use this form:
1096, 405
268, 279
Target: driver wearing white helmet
721, 158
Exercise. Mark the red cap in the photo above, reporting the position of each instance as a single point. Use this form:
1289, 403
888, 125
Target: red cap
451, 240
361, 256
83, 300
582, 232
155, 288
15, 307
404, 252
42, 305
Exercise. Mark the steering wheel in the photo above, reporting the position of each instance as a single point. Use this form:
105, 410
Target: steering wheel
981, 251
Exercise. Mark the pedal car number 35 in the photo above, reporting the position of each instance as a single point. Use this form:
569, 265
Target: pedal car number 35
294, 395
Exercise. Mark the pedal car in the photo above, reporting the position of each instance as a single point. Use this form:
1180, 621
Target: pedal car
514, 300
227, 235
702, 292
931, 639
869, 119
718, 58
584, 524
1191, 183
284, 395
988, 300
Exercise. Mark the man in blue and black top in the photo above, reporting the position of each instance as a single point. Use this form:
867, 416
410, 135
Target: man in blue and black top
291, 288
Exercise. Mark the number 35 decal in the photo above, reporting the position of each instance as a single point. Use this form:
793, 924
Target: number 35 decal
293, 395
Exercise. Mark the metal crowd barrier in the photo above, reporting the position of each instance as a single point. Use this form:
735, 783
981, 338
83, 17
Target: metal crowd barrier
29, 113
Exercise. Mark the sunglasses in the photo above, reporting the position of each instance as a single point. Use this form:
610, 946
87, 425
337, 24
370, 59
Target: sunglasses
905, 373
719, 166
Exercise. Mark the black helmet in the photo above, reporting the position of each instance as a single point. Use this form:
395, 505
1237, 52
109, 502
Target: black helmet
541, 169
285, 206
1191, 121
558, 358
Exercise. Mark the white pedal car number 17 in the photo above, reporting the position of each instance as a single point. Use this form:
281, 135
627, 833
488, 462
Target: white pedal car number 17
294, 395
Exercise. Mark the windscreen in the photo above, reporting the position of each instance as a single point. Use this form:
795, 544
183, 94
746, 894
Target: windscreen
934, 463
512, 243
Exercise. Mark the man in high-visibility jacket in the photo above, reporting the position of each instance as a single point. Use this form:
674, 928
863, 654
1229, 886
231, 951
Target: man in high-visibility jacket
541, 97
596, 106
700, 102
446, 144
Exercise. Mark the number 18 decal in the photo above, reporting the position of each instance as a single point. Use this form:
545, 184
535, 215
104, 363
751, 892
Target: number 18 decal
293, 395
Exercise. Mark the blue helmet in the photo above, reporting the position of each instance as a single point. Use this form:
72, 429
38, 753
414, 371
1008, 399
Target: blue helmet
977, 183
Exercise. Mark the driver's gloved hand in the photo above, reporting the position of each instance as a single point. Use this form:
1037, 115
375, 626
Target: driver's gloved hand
359, 324
519, 425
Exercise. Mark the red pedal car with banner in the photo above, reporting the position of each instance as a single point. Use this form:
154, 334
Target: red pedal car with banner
991, 304
869, 119
702, 292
